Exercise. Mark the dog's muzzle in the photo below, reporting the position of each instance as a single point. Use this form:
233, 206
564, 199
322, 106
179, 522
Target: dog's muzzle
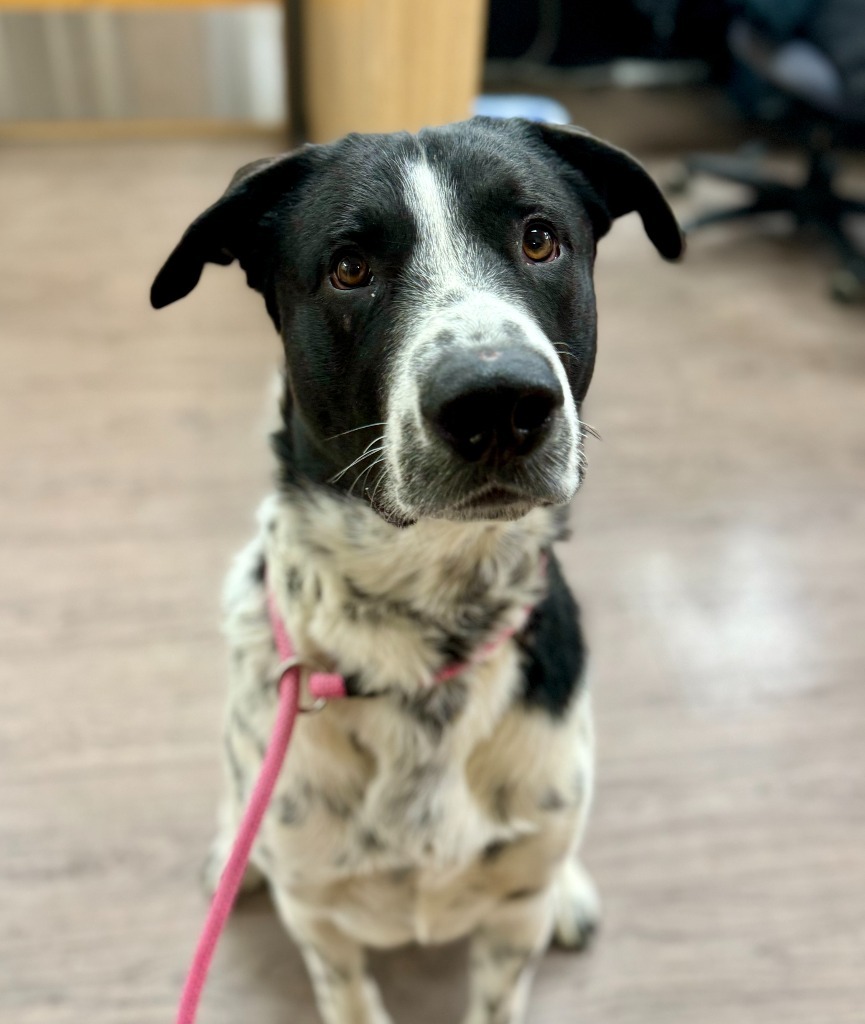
482, 423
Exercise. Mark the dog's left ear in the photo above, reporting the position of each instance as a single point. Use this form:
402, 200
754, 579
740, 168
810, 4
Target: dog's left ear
618, 184
232, 228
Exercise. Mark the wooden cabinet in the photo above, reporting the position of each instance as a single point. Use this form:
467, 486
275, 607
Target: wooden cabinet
389, 65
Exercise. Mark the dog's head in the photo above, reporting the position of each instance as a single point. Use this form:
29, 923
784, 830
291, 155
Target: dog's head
434, 295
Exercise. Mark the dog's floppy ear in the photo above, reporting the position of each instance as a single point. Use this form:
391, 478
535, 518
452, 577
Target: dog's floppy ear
231, 228
619, 183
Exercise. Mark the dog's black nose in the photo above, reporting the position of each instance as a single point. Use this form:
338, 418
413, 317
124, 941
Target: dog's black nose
491, 404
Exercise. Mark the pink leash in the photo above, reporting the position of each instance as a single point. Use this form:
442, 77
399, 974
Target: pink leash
323, 686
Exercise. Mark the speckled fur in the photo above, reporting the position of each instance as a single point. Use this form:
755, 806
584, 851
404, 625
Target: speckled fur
428, 811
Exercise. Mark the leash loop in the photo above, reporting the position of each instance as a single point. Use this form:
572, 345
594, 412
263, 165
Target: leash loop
294, 663
285, 666
319, 704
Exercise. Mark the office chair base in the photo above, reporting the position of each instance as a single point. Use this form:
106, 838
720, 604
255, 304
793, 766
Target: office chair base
815, 203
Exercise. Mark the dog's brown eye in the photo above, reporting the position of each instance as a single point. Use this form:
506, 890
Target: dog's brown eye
350, 271
539, 243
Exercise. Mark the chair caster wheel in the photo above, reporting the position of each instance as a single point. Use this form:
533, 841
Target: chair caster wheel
847, 286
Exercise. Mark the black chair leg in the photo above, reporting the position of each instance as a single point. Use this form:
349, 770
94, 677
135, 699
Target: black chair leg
760, 206
848, 281
737, 169
853, 206
851, 256
813, 203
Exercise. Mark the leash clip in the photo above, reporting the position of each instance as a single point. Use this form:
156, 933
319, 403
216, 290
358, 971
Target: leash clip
282, 670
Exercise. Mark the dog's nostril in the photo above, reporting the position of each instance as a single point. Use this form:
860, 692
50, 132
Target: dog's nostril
468, 422
531, 413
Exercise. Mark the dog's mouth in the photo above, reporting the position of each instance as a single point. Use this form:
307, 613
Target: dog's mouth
437, 488
493, 501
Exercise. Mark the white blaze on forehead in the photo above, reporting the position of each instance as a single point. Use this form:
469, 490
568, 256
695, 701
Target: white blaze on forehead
445, 254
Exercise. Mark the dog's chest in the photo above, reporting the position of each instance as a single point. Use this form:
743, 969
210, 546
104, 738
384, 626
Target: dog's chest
373, 786
387, 821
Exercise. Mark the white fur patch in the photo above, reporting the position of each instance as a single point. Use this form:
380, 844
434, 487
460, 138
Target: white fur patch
446, 258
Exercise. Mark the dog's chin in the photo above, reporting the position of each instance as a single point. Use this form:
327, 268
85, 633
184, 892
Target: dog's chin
487, 504
464, 501
492, 503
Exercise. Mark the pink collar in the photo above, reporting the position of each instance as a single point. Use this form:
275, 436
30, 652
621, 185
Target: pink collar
325, 686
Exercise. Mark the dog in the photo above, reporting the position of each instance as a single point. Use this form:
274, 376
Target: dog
435, 300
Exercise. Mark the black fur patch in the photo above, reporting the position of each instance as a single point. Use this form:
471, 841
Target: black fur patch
494, 850
294, 581
371, 841
352, 685
242, 726
354, 740
522, 894
351, 611
381, 607
502, 797
336, 806
493, 1007
438, 708
289, 811
237, 775
553, 648
453, 647
408, 803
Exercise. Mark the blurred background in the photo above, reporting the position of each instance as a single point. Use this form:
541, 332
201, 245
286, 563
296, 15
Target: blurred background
718, 545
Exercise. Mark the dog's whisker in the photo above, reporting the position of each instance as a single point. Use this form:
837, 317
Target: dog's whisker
364, 455
375, 440
381, 479
590, 430
363, 475
366, 426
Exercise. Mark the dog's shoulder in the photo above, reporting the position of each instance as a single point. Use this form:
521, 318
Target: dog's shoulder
553, 648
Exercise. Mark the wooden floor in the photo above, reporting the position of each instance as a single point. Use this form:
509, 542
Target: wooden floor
719, 551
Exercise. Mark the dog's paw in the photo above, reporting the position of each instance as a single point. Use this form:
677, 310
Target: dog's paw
214, 865
577, 907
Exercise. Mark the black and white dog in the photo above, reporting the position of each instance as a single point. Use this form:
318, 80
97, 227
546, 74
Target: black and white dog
435, 300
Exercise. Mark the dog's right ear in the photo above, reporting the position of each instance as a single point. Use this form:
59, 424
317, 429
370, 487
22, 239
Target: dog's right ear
232, 228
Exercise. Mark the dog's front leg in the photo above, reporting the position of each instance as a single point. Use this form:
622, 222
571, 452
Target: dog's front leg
504, 953
344, 991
